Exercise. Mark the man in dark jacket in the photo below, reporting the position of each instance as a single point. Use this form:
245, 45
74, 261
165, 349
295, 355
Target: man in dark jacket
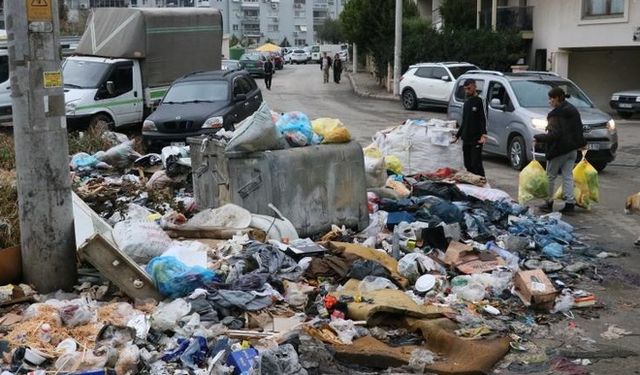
268, 72
473, 129
562, 140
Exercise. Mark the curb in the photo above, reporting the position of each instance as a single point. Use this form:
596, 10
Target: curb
367, 94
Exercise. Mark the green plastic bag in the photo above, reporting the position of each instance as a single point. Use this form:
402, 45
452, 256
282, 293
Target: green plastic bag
533, 182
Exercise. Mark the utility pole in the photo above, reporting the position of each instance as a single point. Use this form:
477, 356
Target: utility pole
355, 58
397, 50
42, 150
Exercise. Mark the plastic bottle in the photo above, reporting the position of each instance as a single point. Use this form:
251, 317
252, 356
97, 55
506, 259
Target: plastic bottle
44, 333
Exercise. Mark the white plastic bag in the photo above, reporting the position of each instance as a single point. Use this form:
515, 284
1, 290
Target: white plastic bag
191, 253
120, 156
375, 172
345, 329
167, 315
227, 216
413, 265
371, 283
257, 132
141, 240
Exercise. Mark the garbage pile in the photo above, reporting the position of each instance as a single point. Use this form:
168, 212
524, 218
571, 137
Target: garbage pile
448, 277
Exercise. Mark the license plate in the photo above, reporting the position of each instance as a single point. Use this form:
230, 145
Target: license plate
593, 146
625, 105
178, 144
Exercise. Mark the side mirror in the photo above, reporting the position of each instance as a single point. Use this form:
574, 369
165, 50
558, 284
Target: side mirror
496, 104
240, 97
111, 87
445, 78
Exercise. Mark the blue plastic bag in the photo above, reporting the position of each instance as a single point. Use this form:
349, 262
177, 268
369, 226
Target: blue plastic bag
175, 279
553, 250
82, 160
297, 129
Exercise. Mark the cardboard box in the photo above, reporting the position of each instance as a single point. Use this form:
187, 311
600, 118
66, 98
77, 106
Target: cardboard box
469, 261
535, 289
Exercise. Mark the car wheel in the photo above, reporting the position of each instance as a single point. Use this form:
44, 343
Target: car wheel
409, 99
625, 115
599, 165
101, 120
517, 153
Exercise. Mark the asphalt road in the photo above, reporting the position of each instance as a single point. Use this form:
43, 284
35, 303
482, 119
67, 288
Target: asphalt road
300, 88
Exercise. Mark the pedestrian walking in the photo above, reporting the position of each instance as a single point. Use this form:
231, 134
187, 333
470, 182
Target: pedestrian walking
563, 137
473, 129
337, 68
325, 64
268, 72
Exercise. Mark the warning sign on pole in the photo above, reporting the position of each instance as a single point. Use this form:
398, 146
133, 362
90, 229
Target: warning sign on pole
39, 10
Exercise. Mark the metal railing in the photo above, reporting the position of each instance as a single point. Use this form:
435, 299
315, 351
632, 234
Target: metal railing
509, 18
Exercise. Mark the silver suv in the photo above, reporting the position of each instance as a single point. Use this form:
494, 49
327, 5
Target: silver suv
517, 105
430, 83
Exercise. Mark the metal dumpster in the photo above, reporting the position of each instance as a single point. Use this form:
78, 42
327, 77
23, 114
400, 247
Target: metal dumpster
314, 186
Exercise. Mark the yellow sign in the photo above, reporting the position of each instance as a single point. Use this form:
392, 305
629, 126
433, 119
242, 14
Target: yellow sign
39, 10
52, 79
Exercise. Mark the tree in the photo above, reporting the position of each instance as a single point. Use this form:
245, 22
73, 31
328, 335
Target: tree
233, 40
285, 43
269, 41
371, 25
330, 31
458, 14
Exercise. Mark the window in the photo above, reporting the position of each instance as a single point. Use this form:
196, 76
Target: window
122, 77
272, 28
300, 14
235, 27
241, 86
438, 72
4, 68
424, 72
457, 71
301, 27
460, 95
498, 91
207, 91
300, 42
603, 8
533, 94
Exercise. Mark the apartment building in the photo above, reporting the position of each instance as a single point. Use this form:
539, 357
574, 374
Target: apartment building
261, 20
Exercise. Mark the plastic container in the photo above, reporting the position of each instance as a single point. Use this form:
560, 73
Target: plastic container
314, 186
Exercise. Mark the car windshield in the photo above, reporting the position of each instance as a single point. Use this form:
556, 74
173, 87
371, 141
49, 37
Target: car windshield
197, 91
315, 49
457, 71
533, 94
299, 51
250, 56
83, 74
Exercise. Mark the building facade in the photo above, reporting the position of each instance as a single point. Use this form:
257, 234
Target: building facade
260, 20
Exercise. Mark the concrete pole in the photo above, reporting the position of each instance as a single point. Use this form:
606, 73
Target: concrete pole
42, 151
478, 12
355, 58
494, 15
397, 50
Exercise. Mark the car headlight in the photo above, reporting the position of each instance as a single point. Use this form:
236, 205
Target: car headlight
149, 126
539, 123
213, 123
70, 108
615, 98
638, 99
611, 126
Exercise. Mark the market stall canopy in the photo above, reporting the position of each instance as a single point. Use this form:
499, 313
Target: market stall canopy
268, 47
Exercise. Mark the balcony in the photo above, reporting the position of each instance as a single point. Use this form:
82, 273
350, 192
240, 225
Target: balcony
519, 19
250, 4
250, 20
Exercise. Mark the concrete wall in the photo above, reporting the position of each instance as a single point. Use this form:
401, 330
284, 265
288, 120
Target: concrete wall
601, 73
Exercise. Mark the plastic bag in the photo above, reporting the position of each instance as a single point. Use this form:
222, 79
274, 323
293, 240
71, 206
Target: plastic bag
77, 312
297, 130
120, 156
375, 172
128, 360
82, 160
533, 182
586, 186
256, 133
141, 240
281, 360
331, 130
371, 283
414, 265
345, 329
167, 315
175, 279
227, 216
191, 253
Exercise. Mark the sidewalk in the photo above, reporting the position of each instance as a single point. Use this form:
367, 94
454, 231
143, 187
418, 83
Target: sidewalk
364, 84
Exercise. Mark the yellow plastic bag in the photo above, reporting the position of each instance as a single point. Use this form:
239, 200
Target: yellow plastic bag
393, 164
533, 182
586, 186
331, 129
372, 151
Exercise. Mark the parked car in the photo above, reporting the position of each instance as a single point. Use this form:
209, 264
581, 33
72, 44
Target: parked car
287, 57
430, 83
202, 103
253, 62
626, 103
230, 64
278, 60
299, 56
517, 105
